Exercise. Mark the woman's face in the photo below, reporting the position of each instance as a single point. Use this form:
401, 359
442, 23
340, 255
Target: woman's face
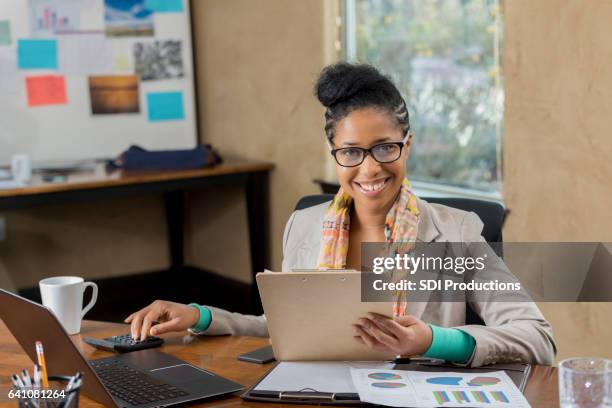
372, 185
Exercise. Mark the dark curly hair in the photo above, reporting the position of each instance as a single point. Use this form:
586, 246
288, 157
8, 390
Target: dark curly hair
344, 87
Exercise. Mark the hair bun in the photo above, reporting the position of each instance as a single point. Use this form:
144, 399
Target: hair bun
342, 81
344, 87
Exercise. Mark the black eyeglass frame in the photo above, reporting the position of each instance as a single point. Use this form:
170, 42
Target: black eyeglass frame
365, 151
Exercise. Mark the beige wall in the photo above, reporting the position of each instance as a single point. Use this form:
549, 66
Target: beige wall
93, 239
256, 70
557, 145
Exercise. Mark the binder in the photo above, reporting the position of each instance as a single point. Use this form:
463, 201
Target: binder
518, 372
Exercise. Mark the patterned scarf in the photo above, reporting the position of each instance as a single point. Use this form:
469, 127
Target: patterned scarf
400, 232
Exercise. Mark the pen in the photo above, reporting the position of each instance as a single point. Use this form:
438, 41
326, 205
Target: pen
17, 381
27, 381
36, 375
41, 361
72, 392
69, 385
18, 384
401, 360
73, 380
417, 360
69, 400
76, 385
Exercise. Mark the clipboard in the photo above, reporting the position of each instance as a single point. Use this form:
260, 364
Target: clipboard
319, 326
518, 372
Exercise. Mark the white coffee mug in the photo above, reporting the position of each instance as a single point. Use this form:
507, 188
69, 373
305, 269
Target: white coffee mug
64, 296
21, 167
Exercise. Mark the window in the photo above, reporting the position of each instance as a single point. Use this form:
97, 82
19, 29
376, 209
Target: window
445, 57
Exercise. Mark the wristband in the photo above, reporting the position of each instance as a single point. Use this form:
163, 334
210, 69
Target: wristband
204, 320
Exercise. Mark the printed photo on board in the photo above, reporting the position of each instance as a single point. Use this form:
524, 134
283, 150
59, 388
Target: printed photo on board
158, 60
114, 94
127, 18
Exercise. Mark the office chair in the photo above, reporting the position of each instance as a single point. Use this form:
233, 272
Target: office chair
491, 213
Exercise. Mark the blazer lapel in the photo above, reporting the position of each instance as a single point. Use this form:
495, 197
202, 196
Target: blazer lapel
427, 232
308, 250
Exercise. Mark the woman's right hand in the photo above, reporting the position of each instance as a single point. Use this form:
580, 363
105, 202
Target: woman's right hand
169, 317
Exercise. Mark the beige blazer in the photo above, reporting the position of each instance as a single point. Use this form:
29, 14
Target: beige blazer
514, 331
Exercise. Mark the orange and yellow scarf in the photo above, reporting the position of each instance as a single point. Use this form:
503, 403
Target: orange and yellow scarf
400, 231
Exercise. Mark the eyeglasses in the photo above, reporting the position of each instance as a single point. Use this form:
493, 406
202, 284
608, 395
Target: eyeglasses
382, 153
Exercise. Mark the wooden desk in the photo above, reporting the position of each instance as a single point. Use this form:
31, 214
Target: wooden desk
219, 355
100, 184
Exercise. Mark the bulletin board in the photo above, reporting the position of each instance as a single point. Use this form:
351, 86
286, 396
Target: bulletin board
85, 79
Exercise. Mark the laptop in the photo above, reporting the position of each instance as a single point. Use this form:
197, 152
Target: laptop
310, 315
145, 378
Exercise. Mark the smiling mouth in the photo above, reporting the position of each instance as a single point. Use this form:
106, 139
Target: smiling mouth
371, 188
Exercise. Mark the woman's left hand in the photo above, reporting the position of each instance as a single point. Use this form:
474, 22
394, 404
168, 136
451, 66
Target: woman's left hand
402, 335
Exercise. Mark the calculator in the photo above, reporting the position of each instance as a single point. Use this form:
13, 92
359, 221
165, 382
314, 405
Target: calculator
124, 343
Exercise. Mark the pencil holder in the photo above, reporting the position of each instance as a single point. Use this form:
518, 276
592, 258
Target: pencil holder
55, 396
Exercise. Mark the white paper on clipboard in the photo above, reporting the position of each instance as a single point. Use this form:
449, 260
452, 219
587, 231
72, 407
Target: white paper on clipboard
321, 376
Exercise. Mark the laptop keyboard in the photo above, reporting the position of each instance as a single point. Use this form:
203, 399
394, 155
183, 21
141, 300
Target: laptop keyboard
132, 385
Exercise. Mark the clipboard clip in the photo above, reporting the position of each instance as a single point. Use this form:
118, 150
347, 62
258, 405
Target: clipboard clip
307, 394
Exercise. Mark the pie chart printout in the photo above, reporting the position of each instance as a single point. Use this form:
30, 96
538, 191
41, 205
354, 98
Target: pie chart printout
444, 380
479, 381
388, 385
384, 376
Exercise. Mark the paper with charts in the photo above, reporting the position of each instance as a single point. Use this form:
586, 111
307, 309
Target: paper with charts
398, 388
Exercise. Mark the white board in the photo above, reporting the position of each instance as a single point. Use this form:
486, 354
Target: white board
71, 131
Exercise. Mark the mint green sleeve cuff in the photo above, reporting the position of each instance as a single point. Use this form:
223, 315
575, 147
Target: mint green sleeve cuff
204, 320
450, 344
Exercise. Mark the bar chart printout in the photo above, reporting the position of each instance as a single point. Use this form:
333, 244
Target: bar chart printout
399, 388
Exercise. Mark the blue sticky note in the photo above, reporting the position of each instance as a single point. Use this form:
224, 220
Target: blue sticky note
164, 6
165, 106
37, 54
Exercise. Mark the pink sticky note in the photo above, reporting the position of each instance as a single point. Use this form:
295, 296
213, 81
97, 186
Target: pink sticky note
46, 90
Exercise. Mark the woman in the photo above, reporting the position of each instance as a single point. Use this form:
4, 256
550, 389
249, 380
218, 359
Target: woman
368, 133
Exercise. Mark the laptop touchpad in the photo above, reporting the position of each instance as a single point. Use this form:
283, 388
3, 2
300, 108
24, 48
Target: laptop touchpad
181, 372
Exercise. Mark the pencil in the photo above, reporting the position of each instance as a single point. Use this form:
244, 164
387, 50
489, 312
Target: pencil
399, 306
41, 361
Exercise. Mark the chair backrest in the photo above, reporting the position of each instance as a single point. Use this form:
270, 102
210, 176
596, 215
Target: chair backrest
312, 200
491, 213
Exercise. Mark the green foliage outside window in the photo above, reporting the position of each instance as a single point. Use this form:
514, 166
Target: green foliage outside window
444, 55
